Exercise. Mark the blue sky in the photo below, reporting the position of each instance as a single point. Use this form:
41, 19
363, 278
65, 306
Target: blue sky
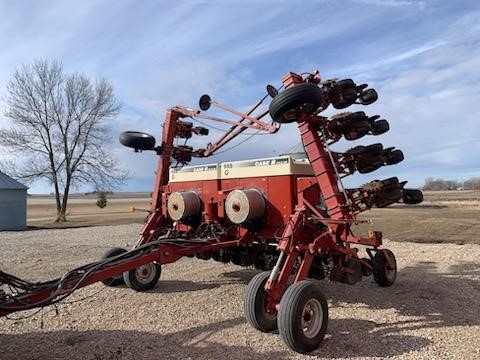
422, 56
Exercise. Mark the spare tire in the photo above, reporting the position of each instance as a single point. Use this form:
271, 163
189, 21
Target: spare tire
137, 140
306, 96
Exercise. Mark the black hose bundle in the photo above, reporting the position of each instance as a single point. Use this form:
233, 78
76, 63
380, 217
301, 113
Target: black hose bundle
76, 277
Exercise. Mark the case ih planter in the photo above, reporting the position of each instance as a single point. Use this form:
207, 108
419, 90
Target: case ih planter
291, 218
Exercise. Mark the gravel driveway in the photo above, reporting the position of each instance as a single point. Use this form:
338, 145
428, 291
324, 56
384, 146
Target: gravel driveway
196, 311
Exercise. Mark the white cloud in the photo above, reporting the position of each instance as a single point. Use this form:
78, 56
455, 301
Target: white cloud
393, 3
162, 54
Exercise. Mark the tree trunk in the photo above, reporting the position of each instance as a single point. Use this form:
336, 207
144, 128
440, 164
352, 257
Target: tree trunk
59, 217
62, 214
58, 203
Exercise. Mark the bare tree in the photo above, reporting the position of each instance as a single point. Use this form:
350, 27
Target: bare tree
472, 183
60, 127
441, 184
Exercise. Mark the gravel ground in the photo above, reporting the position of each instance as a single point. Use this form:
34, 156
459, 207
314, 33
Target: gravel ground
196, 311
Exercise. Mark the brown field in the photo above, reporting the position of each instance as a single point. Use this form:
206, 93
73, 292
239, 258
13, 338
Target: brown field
444, 216
82, 211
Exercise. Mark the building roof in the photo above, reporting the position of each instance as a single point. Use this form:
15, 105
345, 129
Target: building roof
6, 182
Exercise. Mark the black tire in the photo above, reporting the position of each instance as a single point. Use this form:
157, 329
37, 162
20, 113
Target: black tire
344, 98
355, 150
356, 117
137, 140
380, 127
345, 84
303, 316
368, 164
368, 96
356, 134
144, 277
390, 181
394, 157
383, 274
283, 107
387, 196
365, 151
395, 194
254, 304
116, 280
373, 148
356, 130
412, 196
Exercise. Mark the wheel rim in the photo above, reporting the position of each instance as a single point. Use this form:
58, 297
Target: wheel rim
145, 273
290, 115
312, 318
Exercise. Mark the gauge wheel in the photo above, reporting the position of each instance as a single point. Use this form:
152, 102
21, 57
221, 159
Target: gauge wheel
380, 127
144, 277
384, 271
388, 197
412, 196
255, 304
373, 148
367, 150
368, 96
303, 316
345, 84
344, 98
394, 157
390, 181
118, 279
368, 164
306, 97
395, 193
357, 150
356, 117
357, 130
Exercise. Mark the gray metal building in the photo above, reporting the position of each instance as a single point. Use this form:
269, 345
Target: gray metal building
13, 204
